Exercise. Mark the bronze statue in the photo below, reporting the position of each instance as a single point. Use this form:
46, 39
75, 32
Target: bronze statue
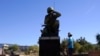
51, 24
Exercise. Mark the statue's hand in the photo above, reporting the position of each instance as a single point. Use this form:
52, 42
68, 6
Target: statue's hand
57, 14
43, 25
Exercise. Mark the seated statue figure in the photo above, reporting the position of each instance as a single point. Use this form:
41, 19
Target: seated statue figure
51, 24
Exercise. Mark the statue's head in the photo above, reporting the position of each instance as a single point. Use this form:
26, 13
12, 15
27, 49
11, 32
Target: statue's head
50, 9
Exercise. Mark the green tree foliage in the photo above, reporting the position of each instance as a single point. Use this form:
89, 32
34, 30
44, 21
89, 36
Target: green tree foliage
89, 47
85, 45
82, 49
14, 47
36, 49
77, 47
82, 41
33, 49
64, 44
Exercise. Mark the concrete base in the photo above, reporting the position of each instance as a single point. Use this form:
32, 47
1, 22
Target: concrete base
49, 46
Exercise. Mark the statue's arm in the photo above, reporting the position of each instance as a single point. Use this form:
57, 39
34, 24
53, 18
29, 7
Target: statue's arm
46, 19
57, 14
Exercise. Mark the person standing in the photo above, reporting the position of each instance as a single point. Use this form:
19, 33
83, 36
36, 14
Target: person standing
70, 44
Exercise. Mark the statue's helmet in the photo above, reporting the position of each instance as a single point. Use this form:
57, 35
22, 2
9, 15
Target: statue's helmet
49, 9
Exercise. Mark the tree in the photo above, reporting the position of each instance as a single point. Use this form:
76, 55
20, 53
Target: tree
85, 45
98, 39
77, 47
63, 46
82, 49
36, 49
82, 41
88, 47
33, 49
14, 47
64, 43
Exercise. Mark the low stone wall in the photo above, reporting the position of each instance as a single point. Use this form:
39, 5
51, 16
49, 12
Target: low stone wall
94, 53
80, 55
2, 55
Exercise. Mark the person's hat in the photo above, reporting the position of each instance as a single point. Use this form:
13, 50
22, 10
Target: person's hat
69, 34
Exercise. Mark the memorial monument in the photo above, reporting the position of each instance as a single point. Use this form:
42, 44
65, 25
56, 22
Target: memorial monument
49, 41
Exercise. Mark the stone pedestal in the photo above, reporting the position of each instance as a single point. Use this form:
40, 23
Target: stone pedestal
49, 46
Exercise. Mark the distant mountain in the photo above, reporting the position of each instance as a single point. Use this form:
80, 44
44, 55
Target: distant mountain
23, 48
1, 45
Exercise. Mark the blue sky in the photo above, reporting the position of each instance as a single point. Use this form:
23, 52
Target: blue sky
21, 20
